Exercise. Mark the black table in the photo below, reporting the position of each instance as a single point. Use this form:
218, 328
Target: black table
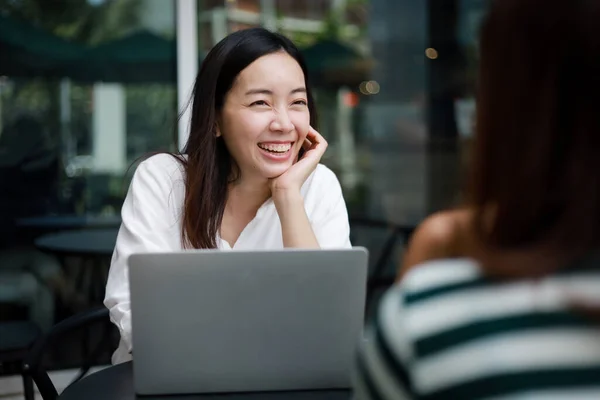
84, 243
70, 221
93, 248
32, 227
116, 383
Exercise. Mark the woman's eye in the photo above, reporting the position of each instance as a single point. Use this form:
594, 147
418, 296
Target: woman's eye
259, 103
300, 102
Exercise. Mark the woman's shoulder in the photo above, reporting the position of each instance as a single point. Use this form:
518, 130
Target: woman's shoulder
322, 186
441, 235
165, 166
161, 175
324, 173
158, 181
323, 178
443, 229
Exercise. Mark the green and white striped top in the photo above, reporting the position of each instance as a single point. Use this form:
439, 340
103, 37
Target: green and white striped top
448, 332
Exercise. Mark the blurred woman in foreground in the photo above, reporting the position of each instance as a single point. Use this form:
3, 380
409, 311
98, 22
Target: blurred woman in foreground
498, 299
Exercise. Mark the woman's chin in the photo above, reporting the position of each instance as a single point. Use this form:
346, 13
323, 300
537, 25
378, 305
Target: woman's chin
274, 172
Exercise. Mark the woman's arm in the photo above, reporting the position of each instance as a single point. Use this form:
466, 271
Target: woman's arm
295, 226
149, 224
328, 226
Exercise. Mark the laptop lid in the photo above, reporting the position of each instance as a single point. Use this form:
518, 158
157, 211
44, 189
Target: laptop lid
209, 321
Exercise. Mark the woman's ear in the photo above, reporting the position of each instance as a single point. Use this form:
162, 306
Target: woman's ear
217, 129
218, 126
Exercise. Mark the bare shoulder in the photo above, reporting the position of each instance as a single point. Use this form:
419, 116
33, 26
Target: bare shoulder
438, 236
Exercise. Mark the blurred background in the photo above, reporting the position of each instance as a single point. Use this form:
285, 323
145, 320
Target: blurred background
89, 86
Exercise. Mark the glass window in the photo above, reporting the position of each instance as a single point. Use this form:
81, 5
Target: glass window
394, 81
85, 90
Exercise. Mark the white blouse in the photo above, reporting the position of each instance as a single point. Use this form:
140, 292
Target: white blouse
151, 222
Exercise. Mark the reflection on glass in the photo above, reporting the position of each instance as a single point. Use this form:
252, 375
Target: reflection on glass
85, 90
394, 88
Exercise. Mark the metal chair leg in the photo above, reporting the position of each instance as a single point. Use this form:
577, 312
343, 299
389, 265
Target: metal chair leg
28, 387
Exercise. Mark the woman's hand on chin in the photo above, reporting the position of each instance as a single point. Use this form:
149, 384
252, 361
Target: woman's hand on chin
296, 229
287, 185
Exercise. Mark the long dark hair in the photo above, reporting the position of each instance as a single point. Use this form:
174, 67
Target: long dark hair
209, 168
535, 173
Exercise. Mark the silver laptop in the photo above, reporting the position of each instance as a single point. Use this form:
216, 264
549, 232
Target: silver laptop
211, 321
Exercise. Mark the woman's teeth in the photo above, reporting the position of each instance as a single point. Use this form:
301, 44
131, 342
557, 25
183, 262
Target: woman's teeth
276, 148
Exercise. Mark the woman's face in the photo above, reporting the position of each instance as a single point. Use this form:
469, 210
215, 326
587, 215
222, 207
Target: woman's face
265, 118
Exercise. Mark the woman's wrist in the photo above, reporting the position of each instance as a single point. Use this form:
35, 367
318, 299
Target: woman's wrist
287, 200
296, 229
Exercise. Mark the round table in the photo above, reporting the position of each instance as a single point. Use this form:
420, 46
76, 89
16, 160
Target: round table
70, 221
116, 383
93, 248
86, 242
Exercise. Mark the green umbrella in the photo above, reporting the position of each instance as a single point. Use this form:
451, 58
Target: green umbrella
26, 51
331, 62
141, 57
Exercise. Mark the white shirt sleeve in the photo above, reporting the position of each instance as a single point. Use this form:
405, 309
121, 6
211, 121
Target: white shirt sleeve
330, 221
150, 223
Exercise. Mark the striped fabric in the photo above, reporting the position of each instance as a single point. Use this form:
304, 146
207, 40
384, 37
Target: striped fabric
447, 332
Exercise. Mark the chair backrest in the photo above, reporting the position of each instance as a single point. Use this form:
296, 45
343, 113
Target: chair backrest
33, 362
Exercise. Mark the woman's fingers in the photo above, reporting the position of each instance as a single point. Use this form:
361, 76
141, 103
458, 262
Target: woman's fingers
316, 139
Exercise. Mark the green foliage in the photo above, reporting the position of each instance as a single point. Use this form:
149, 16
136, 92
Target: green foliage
77, 20
151, 118
302, 39
332, 26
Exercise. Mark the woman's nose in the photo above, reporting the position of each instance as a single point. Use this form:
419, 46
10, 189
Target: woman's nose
282, 122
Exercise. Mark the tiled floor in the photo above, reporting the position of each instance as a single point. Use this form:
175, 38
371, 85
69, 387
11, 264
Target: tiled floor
11, 387
19, 397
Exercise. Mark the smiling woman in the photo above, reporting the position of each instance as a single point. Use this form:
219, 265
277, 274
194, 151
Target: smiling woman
265, 118
249, 176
